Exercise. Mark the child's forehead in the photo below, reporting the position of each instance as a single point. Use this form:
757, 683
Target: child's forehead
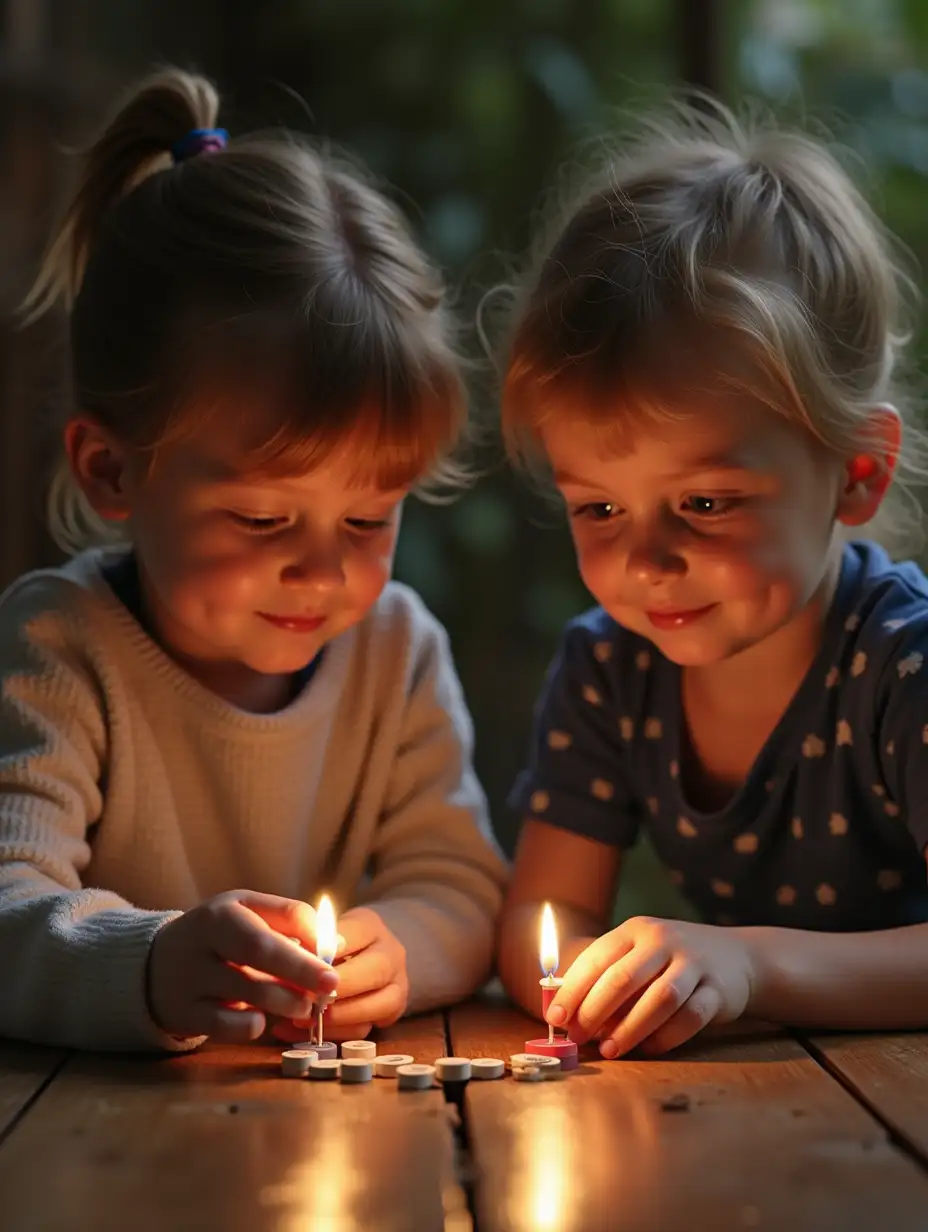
218, 462
744, 436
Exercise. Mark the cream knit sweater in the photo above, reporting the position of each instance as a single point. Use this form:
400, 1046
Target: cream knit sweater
129, 793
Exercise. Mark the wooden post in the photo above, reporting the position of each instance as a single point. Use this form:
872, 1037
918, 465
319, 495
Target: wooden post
698, 38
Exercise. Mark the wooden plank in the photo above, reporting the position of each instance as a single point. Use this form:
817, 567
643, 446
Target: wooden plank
765, 1139
888, 1072
24, 1070
217, 1139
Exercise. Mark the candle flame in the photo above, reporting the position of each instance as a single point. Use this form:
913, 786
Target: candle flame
326, 933
547, 952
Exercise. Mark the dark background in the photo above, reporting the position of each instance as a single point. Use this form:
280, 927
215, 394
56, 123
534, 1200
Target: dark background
468, 109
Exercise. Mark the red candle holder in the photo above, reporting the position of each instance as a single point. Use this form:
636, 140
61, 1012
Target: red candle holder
554, 1046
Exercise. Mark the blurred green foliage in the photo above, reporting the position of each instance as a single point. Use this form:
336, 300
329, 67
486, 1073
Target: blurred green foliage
468, 109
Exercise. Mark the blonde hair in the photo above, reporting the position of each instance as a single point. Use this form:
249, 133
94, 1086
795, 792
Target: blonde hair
268, 275
714, 254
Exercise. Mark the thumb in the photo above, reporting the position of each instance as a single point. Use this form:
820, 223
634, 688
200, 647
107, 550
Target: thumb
359, 927
289, 916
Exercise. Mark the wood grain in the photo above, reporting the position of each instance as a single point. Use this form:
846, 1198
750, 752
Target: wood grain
217, 1139
888, 1072
24, 1070
764, 1138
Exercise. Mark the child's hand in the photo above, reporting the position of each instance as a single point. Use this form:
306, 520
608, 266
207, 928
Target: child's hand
659, 981
219, 968
373, 987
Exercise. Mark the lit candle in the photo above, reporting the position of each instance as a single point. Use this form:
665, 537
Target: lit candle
326, 948
549, 958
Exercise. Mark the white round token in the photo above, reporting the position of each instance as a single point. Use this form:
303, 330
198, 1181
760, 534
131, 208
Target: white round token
453, 1069
487, 1067
387, 1065
527, 1073
325, 1069
364, 1050
295, 1062
356, 1069
535, 1060
415, 1077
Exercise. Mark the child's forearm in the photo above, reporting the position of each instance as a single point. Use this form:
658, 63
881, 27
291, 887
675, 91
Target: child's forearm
518, 948
844, 981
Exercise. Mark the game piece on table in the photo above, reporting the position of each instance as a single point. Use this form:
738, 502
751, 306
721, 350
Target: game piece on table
325, 1052
387, 1065
356, 1069
325, 1069
487, 1067
294, 1062
528, 1073
533, 1059
564, 1050
366, 1050
415, 1077
453, 1069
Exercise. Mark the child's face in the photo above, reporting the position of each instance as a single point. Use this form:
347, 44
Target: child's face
245, 572
708, 534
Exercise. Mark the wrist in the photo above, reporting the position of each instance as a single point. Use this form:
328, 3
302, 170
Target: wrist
768, 960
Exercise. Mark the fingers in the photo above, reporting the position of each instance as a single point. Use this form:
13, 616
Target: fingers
241, 936
657, 1004
369, 970
229, 984
359, 928
620, 982
224, 1024
584, 972
381, 1007
701, 1009
289, 916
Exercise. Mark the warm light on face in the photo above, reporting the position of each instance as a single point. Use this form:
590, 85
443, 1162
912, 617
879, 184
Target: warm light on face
547, 950
326, 933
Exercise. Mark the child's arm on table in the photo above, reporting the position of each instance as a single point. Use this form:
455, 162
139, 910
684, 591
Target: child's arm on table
437, 876
75, 959
578, 877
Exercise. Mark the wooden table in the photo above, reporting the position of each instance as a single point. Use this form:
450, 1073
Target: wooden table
751, 1128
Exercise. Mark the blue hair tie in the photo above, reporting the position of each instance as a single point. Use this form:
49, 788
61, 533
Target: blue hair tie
199, 141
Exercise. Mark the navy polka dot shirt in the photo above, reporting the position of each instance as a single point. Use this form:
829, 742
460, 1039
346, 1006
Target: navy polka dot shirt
828, 830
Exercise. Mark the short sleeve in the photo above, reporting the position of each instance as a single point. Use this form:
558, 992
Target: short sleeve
902, 731
576, 776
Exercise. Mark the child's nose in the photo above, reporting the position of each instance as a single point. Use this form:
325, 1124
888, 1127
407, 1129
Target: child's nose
654, 555
318, 565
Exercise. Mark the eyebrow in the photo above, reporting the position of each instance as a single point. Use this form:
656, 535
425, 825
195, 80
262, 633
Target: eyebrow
697, 467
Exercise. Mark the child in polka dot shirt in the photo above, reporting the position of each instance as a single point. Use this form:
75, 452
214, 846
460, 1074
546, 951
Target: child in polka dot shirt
706, 362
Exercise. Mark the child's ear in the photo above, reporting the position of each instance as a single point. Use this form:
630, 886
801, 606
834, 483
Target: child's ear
868, 473
98, 463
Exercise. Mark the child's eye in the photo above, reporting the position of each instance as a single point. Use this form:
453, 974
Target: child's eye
257, 524
710, 506
369, 525
596, 511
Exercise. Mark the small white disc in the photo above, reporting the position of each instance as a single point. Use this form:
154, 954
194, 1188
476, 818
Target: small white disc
309, 1045
534, 1059
415, 1077
356, 1069
295, 1062
387, 1065
453, 1069
528, 1073
326, 1069
365, 1050
487, 1067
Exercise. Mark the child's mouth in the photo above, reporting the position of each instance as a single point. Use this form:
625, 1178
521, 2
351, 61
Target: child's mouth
677, 619
294, 624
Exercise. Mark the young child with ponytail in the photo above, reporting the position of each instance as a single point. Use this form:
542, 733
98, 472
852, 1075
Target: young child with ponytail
222, 705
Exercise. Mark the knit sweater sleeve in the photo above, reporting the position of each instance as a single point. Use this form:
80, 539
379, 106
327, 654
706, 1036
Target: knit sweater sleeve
72, 958
437, 872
